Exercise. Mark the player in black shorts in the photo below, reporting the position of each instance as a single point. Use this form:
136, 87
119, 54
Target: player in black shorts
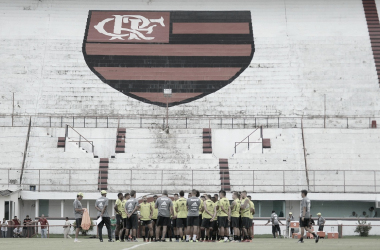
305, 217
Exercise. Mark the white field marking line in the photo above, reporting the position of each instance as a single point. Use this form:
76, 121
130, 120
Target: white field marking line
135, 246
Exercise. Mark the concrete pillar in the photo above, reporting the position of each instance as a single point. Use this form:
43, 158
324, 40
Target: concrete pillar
62, 208
37, 206
88, 207
113, 210
259, 208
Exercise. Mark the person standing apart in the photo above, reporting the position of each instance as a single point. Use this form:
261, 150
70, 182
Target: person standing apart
44, 223
101, 205
321, 222
275, 224
305, 217
78, 212
165, 209
66, 229
4, 228
131, 207
288, 220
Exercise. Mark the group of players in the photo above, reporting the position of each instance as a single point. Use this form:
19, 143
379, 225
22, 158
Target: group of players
197, 218
193, 219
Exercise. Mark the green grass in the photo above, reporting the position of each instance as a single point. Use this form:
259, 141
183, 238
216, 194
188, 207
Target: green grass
347, 243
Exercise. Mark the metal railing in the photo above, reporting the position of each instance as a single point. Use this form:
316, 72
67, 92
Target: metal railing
156, 180
247, 138
187, 122
80, 138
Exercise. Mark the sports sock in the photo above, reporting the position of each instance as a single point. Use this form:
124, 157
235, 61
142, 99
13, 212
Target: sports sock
315, 235
194, 237
187, 237
144, 238
203, 234
134, 237
206, 237
301, 239
225, 237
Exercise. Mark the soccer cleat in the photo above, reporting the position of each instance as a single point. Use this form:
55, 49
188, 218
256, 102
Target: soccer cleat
300, 241
317, 239
177, 240
117, 241
110, 240
163, 240
101, 240
135, 240
76, 240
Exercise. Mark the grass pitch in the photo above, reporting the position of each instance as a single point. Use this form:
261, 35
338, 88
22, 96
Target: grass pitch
258, 243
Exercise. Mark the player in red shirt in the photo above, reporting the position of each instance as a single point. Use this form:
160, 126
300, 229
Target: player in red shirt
44, 223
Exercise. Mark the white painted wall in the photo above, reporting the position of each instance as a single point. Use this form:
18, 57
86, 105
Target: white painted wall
304, 50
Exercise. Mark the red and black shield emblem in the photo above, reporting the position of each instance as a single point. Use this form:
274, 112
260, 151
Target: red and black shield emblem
194, 53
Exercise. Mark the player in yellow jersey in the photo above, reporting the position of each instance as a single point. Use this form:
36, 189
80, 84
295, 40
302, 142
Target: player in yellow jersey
146, 213
224, 216
201, 233
154, 215
252, 210
181, 210
245, 214
174, 220
235, 216
119, 209
209, 216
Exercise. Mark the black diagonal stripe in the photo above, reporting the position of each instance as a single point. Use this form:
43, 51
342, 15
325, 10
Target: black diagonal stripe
167, 61
210, 16
158, 86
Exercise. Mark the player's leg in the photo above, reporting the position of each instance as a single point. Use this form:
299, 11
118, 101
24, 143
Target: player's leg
78, 223
166, 223
158, 224
107, 222
150, 227
100, 230
313, 233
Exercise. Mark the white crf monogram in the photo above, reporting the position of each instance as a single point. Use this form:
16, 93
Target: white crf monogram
138, 24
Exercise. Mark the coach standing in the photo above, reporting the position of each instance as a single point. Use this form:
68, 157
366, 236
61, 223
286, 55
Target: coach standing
165, 209
288, 220
321, 222
101, 205
78, 212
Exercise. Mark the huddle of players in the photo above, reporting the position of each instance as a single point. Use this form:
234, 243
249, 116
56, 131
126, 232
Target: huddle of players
184, 216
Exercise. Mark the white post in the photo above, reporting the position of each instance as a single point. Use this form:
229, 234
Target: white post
62, 208
37, 207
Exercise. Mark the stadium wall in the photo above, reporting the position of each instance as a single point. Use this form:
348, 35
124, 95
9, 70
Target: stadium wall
305, 52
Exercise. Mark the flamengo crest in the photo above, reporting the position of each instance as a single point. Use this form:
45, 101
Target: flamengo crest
138, 24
